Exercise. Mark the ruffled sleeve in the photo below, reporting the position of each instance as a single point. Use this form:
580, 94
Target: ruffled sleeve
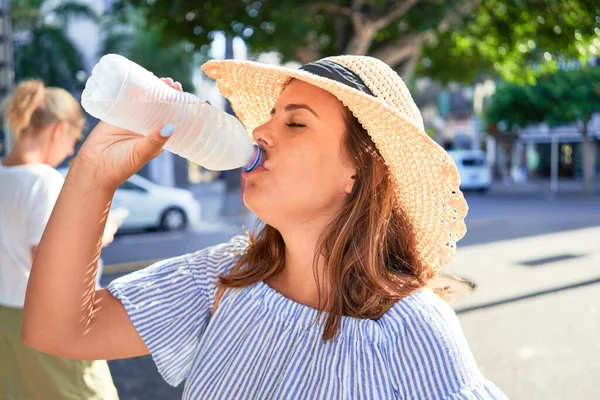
483, 391
169, 303
429, 357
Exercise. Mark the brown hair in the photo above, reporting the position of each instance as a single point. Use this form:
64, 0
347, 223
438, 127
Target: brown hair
34, 106
369, 248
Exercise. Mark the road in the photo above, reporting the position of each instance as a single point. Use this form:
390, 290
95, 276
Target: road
532, 320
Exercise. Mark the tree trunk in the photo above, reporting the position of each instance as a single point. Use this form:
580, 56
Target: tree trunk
589, 160
310, 52
403, 56
407, 70
361, 41
307, 54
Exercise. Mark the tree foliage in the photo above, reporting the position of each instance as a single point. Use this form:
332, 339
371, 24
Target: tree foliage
126, 32
43, 48
456, 40
515, 40
307, 30
564, 97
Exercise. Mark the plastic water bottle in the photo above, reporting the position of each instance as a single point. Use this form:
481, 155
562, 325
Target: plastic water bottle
122, 93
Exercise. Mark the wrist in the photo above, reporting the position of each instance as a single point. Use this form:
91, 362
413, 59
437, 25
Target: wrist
89, 175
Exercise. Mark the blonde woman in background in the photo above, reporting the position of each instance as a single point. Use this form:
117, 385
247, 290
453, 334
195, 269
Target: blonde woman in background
47, 123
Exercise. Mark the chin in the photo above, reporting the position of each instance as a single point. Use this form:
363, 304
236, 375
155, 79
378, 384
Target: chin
255, 205
265, 207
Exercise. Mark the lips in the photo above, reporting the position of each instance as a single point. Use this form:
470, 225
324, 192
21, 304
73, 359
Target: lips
255, 172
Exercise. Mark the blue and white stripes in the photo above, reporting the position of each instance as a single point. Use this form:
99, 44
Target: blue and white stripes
262, 345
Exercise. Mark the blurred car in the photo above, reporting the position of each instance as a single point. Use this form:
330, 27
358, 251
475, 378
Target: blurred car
154, 206
475, 172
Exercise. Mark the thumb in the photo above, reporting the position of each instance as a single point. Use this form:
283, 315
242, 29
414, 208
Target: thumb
151, 146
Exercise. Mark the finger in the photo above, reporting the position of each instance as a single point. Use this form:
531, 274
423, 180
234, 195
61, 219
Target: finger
168, 81
150, 146
172, 84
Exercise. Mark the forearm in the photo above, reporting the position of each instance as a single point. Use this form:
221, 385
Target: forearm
60, 296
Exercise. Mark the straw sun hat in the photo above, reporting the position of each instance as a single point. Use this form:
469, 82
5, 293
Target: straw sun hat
425, 176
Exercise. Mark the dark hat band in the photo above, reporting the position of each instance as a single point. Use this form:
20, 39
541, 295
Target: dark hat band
337, 72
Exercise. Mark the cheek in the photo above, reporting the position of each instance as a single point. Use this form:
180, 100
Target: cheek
313, 176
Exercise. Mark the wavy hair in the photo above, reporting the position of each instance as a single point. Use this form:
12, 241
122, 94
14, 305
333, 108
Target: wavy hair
369, 250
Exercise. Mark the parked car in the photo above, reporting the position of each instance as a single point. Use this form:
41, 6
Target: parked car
154, 206
475, 172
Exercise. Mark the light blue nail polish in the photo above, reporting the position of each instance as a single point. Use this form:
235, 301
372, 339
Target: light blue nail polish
167, 130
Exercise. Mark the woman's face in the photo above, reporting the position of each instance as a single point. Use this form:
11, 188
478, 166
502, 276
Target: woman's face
306, 174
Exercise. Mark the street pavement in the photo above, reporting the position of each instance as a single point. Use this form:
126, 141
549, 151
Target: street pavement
532, 320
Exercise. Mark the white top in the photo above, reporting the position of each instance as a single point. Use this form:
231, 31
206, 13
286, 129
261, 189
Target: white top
27, 195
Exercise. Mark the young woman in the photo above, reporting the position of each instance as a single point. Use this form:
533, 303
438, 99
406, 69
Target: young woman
335, 298
47, 123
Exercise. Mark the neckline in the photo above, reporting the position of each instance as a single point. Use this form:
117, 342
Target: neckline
307, 317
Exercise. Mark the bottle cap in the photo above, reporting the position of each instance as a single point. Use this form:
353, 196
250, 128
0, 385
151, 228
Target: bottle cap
256, 160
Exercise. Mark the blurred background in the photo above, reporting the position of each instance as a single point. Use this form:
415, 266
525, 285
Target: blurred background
510, 88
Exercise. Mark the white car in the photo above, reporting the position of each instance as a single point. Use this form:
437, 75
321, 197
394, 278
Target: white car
154, 206
475, 172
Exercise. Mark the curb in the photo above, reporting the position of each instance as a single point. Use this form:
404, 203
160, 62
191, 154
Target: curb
128, 266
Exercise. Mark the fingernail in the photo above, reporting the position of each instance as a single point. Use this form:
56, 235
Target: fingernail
170, 80
178, 84
167, 130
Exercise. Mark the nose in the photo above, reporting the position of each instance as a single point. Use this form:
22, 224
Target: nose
263, 135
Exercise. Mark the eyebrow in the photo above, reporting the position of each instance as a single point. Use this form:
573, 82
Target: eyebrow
294, 107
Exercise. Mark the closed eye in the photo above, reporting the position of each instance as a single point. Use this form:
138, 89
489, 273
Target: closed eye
294, 125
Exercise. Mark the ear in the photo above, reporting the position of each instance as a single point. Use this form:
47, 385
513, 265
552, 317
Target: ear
349, 186
58, 130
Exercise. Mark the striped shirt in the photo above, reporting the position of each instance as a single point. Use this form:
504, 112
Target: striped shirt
261, 345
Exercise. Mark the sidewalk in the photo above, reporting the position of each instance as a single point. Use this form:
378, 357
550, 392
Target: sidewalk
532, 320
511, 269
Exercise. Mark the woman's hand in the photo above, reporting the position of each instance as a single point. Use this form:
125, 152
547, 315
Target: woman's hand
113, 154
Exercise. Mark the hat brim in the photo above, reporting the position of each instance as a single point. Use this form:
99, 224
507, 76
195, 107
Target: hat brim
426, 178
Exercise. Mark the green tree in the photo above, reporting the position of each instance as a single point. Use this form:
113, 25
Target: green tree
515, 40
42, 46
563, 97
126, 32
456, 40
303, 30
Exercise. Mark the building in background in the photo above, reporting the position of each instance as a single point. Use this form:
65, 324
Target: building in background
533, 149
